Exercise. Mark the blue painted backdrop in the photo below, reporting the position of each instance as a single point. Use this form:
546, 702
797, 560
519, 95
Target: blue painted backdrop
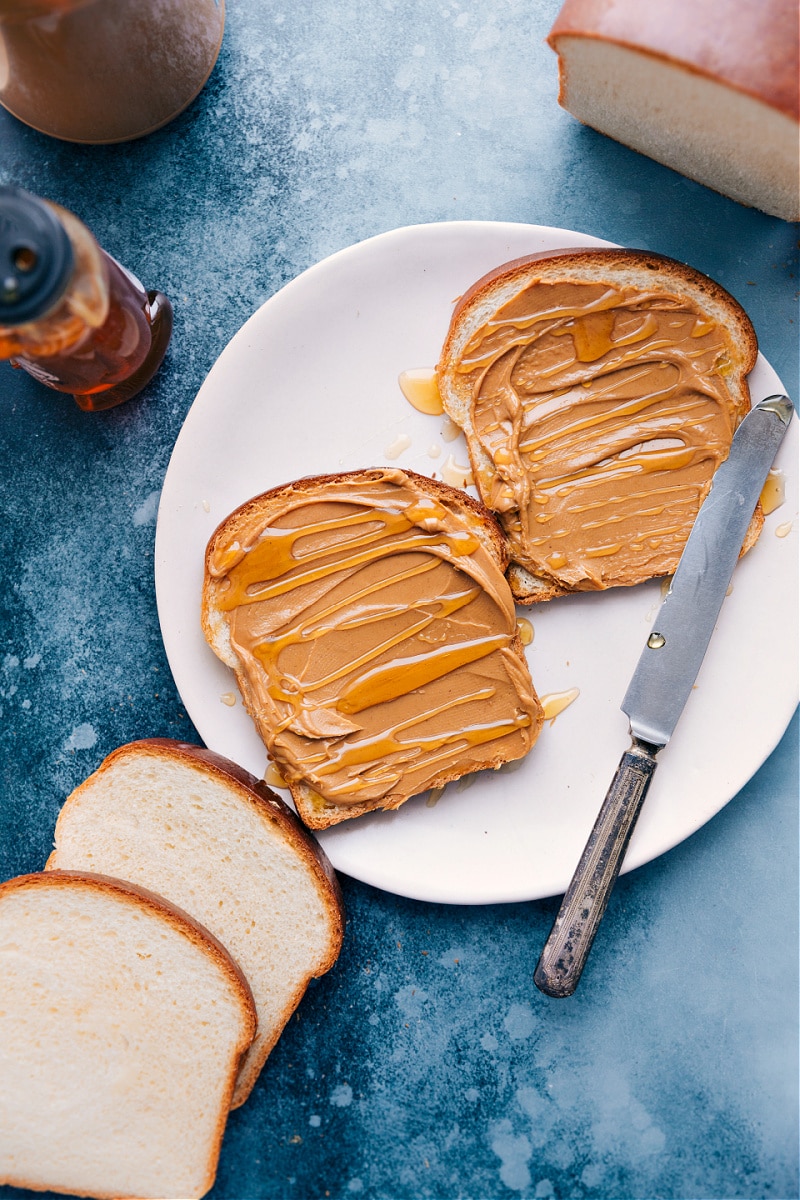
425, 1064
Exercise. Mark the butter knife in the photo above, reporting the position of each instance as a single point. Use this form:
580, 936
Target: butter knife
662, 681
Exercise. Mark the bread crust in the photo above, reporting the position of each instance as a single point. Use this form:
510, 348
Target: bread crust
188, 927
591, 264
753, 50
272, 811
616, 266
481, 521
462, 502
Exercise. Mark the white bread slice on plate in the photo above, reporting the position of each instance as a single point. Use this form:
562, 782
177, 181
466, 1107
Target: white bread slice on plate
373, 636
199, 830
122, 1025
709, 89
598, 390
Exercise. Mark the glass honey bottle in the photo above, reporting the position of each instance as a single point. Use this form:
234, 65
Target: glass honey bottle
70, 314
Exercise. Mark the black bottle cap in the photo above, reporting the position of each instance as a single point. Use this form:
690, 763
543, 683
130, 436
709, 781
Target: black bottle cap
36, 257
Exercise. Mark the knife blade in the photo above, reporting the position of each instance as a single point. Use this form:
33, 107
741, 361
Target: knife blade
661, 684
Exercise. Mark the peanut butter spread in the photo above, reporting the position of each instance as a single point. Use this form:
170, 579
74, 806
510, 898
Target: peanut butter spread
604, 412
377, 638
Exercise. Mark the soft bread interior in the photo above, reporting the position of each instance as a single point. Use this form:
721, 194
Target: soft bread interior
715, 134
173, 819
121, 1031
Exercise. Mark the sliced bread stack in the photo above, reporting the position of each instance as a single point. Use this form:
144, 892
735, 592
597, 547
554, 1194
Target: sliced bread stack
209, 837
149, 971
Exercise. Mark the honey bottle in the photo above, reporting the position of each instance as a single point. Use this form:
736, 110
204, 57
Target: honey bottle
70, 314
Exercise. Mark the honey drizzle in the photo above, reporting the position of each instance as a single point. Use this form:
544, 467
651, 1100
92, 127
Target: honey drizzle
635, 393
525, 630
352, 699
273, 777
270, 561
283, 560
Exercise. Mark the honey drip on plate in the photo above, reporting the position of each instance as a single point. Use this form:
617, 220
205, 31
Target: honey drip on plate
555, 702
434, 796
773, 494
273, 777
401, 443
525, 630
421, 390
456, 474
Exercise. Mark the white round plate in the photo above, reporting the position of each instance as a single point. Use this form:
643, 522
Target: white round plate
308, 386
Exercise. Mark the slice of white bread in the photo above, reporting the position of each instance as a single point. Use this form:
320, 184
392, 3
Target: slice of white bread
709, 89
122, 1025
209, 837
373, 636
577, 396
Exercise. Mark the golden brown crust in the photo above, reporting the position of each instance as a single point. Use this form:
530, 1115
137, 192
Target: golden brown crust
22, 1182
601, 259
753, 49
532, 589
18, 1181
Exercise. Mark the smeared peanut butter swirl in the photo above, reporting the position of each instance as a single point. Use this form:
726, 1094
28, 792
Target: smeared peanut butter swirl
604, 413
376, 636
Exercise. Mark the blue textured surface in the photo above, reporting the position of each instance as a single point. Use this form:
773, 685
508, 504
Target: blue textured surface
426, 1064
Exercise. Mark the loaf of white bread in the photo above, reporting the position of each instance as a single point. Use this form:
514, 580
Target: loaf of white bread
150, 969
707, 87
122, 1027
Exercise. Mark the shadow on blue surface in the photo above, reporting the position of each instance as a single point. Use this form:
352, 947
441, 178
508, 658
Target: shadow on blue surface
426, 1064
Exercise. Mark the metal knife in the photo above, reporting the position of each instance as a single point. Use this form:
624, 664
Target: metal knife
662, 681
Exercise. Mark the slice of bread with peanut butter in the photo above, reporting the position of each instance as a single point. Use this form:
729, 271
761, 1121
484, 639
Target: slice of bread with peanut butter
598, 390
373, 636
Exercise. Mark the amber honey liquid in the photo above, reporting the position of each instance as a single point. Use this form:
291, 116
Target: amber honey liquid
115, 361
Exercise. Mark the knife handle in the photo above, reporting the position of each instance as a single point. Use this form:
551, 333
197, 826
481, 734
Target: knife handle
565, 953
